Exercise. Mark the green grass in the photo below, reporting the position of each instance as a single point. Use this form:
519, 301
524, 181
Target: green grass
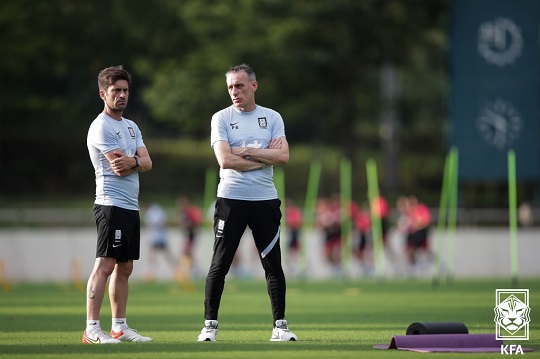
333, 319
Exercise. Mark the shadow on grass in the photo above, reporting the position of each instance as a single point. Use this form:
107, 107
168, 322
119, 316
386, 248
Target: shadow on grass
156, 348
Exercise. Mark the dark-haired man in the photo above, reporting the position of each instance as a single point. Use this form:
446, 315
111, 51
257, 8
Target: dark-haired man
118, 154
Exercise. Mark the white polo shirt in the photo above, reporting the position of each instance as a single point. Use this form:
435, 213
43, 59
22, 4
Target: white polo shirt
247, 129
104, 135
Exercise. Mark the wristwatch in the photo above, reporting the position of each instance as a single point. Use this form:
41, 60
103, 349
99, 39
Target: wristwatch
137, 162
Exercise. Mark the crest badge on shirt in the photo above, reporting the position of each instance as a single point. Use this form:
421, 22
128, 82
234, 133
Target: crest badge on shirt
262, 122
131, 132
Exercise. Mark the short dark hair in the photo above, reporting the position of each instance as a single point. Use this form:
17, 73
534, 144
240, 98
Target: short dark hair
243, 67
110, 75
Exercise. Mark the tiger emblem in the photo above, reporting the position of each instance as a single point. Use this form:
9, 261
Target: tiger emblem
512, 314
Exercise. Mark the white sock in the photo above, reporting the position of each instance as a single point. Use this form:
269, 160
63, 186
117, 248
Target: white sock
92, 325
118, 324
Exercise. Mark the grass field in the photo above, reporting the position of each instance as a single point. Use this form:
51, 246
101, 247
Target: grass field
333, 319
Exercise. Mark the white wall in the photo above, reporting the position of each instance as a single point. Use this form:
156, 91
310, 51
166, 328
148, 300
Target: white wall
60, 254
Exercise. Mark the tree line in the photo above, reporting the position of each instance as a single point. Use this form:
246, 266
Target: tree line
318, 63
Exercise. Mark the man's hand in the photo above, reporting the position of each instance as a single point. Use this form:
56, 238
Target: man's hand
122, 165
240, 151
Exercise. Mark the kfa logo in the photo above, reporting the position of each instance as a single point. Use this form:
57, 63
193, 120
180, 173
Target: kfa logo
511, 349
512, 318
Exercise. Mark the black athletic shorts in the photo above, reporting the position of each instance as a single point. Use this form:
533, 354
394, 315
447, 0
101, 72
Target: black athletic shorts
118, 233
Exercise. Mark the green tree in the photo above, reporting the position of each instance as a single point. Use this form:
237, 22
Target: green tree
318, 63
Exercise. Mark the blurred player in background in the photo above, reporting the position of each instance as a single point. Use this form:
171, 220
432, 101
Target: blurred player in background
190, 219
328, 220
363, 250
414, 222
293, 218
155, 219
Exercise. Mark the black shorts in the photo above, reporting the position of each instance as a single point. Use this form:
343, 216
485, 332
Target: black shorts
418, 239
159, 245
118, 233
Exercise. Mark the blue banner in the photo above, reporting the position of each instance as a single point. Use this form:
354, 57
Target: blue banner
495, 99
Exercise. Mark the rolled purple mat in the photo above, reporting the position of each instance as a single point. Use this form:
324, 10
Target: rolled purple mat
437, 328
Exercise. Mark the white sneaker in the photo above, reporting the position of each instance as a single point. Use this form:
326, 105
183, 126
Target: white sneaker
281, 332
129, 335
209, 332
98, 336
